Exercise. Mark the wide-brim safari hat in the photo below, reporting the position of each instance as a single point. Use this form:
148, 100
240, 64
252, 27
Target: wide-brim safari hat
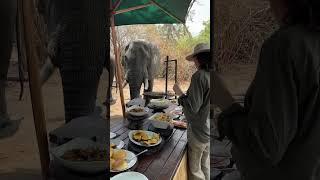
199, 48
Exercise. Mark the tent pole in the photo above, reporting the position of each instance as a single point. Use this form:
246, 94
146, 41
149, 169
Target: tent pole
34, 83
133, 8
118, 68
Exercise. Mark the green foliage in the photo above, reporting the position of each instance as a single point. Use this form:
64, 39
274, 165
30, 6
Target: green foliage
188, 42
204, 35
182, 46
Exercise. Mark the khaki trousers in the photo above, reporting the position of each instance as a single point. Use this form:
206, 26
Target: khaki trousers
198, 158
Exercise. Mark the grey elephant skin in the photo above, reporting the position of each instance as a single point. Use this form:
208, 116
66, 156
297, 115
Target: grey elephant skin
111, 68
7, 18
77, 47
8, 14
141, 62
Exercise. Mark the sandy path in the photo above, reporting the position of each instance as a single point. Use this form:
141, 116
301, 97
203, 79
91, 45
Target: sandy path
19, 154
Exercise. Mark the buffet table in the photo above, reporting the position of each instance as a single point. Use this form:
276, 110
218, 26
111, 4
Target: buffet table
168, 163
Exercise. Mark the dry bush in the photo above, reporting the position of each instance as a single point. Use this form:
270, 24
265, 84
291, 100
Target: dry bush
240, 28
184, 70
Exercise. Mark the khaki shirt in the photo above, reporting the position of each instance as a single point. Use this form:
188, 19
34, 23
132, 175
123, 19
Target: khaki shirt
196, 105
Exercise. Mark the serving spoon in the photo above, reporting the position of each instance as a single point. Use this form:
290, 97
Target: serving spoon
138, 155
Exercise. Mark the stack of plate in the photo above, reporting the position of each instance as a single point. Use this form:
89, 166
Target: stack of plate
138, 147
159, 104
141, 112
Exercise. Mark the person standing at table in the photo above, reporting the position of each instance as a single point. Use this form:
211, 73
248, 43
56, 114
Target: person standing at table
275, 135
196, 107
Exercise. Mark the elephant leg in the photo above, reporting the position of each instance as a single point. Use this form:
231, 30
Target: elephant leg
150, 89
7, 19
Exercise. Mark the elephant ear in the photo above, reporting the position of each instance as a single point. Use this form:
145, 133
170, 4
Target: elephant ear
155, 60
145, 48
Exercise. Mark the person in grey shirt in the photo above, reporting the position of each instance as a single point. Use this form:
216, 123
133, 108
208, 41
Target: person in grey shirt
275, 135
196, 107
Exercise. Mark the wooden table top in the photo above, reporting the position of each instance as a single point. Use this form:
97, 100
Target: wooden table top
163, 164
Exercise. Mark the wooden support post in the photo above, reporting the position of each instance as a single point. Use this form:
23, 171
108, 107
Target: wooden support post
117, 61
28, 9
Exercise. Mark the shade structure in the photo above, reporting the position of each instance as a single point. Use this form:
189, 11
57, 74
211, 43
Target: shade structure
129, 12
124, 12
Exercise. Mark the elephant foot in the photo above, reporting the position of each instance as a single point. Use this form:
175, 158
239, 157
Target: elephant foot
9, 127
113, 101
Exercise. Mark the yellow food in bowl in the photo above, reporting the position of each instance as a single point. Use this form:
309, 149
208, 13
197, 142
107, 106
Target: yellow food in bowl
143, 137
120, 154
119, 165
163, 117
118, 160
112, 145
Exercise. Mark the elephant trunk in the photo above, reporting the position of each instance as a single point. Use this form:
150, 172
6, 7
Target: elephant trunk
135, 82
146, 84
135, 90
80, 93
81, 53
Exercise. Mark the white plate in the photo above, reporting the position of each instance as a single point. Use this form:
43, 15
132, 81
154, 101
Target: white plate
79, 166
130, 155
159, 103
129, 175
160, 124
118, 143
112, 135
145, 111
149, 133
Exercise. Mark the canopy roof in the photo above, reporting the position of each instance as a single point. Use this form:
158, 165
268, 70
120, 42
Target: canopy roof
128, 12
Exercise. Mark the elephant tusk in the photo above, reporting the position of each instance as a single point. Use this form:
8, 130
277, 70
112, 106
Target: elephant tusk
125, 83
146, 84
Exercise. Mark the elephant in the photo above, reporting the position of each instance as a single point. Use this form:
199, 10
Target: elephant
8, 14
77, 47
141, 62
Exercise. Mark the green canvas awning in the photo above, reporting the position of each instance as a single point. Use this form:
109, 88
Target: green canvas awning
128, 12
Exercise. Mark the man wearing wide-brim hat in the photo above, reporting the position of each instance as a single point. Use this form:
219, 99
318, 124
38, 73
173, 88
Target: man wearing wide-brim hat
196, 107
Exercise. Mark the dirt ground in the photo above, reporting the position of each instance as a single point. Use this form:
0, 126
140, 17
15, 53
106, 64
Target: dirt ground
19, 158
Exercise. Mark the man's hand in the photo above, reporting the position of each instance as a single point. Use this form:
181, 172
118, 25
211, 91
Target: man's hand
177, 90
